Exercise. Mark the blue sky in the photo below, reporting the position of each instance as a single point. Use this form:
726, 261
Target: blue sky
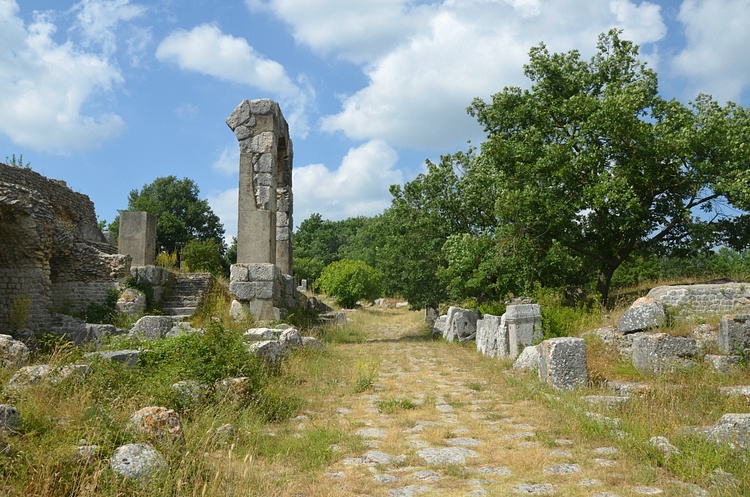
108, 95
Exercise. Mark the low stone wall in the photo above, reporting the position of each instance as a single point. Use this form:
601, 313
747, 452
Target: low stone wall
707, 298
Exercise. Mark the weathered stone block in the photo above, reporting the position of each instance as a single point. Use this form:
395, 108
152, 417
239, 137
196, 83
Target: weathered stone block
131, 302
492, 336
10, 418
261, 334
13, 353
158, 424
732, 429
734, 334
461, 324
137, 237
438, 329
128, 358
239, 273
659, 352
269, 352
252, 290
723, 363
645, 313
528, 359
152, 327
137, 461
290, 339
524, 324
562, 363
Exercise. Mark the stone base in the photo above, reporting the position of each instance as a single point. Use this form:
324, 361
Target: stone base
262, 291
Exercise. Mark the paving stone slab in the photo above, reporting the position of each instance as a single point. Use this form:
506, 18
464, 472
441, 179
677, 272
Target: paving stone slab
449, 455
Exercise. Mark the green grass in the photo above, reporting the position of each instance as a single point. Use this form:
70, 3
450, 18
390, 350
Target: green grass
392, 406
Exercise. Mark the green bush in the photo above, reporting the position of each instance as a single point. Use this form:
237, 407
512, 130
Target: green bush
349, 281
203, 255
216, 354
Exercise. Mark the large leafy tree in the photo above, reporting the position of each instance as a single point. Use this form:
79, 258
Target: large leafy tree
593, 159
181, 214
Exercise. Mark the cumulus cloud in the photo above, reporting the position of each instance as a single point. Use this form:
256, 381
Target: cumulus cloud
715, 58
359, 187
207, 50
45, 86
228, 161
98, 20
353, 30
418, 92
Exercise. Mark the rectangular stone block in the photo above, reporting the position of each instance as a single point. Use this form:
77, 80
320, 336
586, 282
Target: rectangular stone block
263, 272
138, 237
659, 352
562, 363
256, 237
251, 290
734, 334
238, 272
492, 336
461, 324
264, 163
263, 143
524, 323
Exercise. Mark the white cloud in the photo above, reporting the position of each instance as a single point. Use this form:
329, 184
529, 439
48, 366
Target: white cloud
206, 50
354, 30
715, 59
224, 204
98, 20
45, 85
468, 49
228, 161
417, 93
359, 187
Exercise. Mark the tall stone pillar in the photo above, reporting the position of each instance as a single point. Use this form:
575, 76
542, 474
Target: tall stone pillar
260, 281
265, 198
137, 237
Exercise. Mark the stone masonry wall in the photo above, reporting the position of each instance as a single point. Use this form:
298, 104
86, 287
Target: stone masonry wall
707, 298
51, 249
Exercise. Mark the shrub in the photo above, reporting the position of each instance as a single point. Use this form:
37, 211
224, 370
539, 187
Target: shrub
349, 281
203, 255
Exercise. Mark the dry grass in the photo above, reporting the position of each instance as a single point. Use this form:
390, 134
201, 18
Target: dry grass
382, 370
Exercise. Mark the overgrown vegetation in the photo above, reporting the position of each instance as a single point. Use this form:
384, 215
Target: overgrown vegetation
349, 281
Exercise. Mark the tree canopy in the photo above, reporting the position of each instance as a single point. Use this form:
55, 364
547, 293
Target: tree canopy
181, 215
586, 171
593, 159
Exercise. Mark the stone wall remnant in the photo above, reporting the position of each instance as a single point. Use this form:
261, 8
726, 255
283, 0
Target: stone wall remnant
137, 237
53, 256
704, 298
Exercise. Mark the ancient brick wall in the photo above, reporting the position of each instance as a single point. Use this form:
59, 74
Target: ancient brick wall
51, 250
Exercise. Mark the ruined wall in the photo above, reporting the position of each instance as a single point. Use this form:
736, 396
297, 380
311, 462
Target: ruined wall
705, 298
51, 250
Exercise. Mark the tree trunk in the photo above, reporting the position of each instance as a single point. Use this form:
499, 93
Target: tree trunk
605, 278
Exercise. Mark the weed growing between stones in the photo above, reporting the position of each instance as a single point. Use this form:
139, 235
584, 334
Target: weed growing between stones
366, 373
392, 406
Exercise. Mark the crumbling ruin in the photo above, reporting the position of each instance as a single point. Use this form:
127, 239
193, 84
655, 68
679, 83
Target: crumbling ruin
53, 256
261, 281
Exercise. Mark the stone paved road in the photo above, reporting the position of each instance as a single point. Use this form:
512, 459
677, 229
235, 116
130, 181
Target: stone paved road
442, 420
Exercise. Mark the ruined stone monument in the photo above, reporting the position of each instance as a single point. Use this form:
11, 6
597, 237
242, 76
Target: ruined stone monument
138, 237
53, 257
261, 281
